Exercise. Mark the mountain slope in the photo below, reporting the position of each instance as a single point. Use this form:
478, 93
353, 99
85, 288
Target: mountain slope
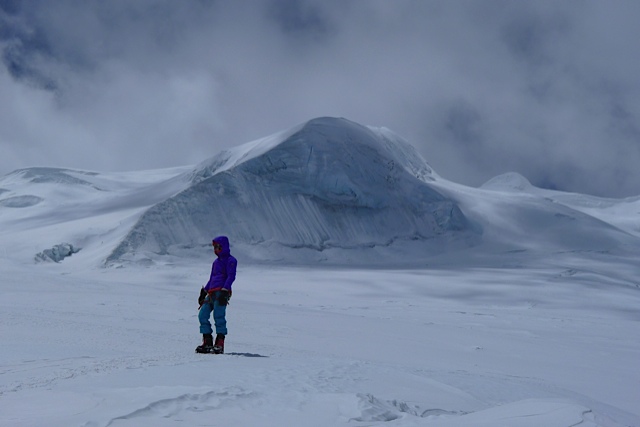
515, 216
328, 184
327, 190
43, 207
621, 213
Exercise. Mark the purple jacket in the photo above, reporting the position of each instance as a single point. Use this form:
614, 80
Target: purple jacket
223, 270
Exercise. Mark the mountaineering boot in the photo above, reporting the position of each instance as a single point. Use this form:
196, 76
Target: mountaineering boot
218, 347
207, 344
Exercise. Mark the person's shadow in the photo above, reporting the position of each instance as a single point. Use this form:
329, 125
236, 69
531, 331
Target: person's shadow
245, 354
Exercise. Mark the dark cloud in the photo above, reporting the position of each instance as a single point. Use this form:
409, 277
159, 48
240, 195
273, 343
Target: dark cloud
23, 49
10, 7
548, 89
530, 37
299, 18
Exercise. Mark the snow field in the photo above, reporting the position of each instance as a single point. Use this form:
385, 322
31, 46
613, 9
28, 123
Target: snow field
319, 347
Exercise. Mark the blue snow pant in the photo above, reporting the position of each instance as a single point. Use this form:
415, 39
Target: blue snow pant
219, 312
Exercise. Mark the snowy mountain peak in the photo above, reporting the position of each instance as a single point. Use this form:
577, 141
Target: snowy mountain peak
511, 181
320, 188
326, 190
322, 133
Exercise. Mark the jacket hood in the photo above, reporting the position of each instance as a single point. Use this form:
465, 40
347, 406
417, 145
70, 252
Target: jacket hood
224, 242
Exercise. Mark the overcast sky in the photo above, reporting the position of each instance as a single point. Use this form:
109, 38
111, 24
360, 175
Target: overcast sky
549, 89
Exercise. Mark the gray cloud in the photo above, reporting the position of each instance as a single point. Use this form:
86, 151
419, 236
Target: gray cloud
546, 88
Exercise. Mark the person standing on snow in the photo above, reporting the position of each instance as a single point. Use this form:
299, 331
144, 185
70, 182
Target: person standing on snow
214, 297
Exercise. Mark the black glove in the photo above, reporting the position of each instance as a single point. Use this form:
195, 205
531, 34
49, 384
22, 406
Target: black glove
202, 296
223, 297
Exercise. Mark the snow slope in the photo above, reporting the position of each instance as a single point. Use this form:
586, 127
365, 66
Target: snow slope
43, 207
621, 213
307, 194
521, 346
516, 217
328, 190
522, 312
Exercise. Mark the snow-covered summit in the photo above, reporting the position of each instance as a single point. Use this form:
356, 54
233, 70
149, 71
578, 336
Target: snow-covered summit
320, 131
510, 181
325, 190
317, 190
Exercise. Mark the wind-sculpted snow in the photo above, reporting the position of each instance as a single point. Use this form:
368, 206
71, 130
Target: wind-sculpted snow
332, 184
54, 175
20, 201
